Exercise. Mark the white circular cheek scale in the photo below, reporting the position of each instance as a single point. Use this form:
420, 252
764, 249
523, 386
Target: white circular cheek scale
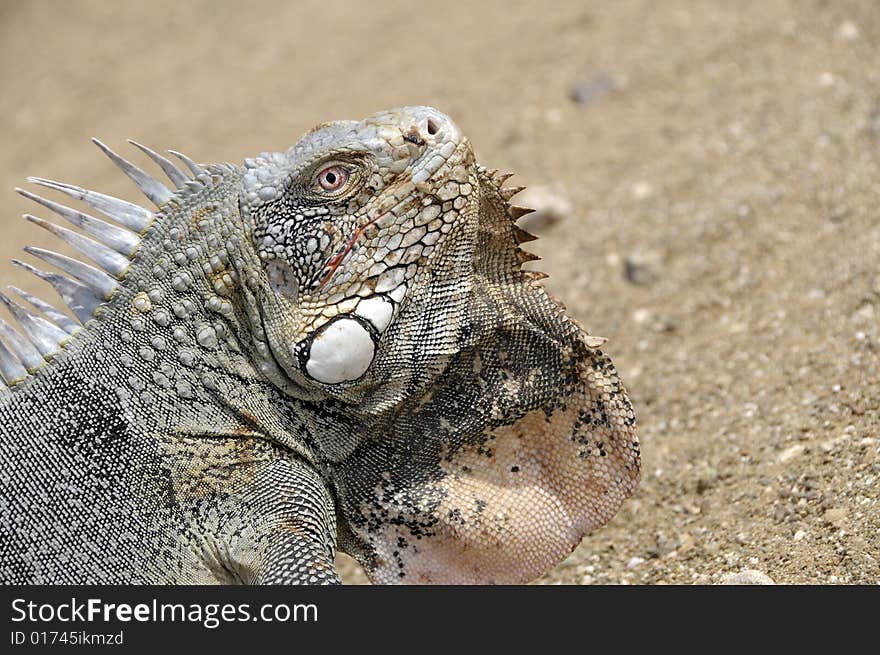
342, 352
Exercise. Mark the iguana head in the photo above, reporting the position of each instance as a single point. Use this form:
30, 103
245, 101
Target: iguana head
365, 231
474, 433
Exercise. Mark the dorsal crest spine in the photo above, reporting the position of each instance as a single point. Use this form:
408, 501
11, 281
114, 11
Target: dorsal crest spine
110, 247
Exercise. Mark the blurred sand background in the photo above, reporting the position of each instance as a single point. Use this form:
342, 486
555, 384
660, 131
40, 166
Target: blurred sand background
721, 161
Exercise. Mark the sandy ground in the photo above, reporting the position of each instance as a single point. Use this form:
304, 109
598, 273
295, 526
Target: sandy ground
721, 162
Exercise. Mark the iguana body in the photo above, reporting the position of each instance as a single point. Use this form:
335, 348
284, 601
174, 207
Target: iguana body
333, 347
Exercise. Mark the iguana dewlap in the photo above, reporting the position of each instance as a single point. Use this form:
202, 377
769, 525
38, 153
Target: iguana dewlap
330, 347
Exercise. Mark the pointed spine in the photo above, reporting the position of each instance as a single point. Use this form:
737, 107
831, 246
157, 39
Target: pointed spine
190, 164
81, 300
45, 336
177, 176
121, 240
593, 342
509, 192
98, 280
516, 212
10, 368
525, 256
23, 349
110, 260
522, 236
152, 188
501, 178
60, 319
132, 216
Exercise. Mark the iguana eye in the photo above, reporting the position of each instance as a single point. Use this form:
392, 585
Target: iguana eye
333, 178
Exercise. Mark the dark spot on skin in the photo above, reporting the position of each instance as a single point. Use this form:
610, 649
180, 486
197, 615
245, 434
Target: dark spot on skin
514, 469
294, 526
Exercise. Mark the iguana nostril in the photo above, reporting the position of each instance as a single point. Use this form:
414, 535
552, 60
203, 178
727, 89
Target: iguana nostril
433, 128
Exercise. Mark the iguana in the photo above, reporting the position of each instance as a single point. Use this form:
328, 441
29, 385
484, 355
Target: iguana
334, 347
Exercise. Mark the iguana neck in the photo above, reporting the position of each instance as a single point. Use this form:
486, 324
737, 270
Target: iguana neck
183, 327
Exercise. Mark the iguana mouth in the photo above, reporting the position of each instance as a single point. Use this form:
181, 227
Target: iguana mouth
300, 390
336, 260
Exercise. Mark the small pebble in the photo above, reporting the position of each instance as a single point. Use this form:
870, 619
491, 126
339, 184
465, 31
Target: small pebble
551, 205
589, 91
643, 267
747, 577
790, 453
848, 31
836, 517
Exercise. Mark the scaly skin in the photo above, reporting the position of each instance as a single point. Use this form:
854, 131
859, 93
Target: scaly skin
286, 368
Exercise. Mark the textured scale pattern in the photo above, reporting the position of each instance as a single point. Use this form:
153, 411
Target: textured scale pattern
334, 347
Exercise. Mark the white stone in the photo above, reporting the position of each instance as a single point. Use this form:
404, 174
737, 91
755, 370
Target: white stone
790, 453
377, 311
848, 31
747, 577
343, 351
